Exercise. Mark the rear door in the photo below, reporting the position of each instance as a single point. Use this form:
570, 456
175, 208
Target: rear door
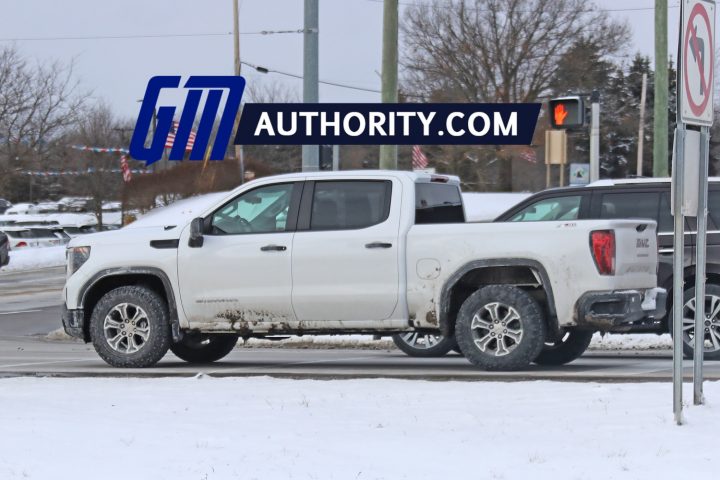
345, 264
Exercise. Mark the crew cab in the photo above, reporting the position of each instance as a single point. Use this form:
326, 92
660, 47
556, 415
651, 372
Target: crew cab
375, 252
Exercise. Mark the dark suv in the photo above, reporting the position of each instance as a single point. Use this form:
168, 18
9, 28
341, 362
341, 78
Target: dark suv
643, 198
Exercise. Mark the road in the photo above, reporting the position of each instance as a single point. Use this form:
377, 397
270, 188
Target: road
29, 309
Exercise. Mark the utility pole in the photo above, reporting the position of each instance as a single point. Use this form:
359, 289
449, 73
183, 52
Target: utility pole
595, 136
660, 105
641, 128
237, 65
310, 153
388, 153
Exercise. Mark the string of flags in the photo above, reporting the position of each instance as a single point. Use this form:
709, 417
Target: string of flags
124, 167
89, 170
86, 148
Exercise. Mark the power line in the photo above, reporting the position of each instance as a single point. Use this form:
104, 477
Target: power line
148, 35
262, 69
449, 4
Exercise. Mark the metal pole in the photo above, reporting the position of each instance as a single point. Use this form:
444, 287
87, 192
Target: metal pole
389, 153
641, 128
701, 248
310, 153
660, 102
595, 137
237, 68
678, 271
336, 157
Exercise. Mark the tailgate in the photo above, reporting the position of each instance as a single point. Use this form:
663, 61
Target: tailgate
635, 249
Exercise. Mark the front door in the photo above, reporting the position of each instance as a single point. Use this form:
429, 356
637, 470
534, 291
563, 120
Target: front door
240, 277
345, 253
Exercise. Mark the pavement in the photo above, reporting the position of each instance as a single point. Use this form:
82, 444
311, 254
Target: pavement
30, 309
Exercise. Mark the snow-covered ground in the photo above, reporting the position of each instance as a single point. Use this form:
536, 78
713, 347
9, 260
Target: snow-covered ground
247, 428
32, 258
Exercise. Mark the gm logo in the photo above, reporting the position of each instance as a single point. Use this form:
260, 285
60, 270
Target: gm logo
195, 86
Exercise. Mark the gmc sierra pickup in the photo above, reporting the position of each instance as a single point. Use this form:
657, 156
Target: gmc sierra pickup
377, 252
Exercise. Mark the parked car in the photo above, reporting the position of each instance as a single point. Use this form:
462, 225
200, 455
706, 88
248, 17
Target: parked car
21, 237
21, 209
4, 205
4, 249
47, 207
356, 252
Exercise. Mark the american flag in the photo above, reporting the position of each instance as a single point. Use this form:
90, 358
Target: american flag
125, 168
528, 155
419, 160
170, 141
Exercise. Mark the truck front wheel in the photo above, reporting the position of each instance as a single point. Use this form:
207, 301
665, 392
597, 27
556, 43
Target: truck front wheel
500, 327
129, 327
204, 347
416, 344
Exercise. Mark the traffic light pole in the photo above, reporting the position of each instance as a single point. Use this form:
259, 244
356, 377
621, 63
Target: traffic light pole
595, 136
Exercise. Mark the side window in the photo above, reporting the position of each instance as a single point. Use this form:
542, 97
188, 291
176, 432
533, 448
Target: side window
349, 205
555, 208
630, 205
438, 203
262, 210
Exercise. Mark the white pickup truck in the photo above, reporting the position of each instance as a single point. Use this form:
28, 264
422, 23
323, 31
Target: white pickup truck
374, 252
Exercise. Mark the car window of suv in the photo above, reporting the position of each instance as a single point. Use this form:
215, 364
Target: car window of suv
548, 209
630, 205
346, 205
262, 210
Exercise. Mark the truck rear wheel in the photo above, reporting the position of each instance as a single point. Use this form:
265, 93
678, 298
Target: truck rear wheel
500, 327
416, 344
570, 347
129, 327
204, 347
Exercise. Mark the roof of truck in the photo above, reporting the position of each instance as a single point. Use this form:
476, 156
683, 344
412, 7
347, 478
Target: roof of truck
413, 176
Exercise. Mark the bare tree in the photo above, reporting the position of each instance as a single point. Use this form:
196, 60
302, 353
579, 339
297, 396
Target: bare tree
498, 50
37, 103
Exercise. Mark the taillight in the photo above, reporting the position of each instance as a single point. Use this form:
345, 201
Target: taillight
602, 243
21, 244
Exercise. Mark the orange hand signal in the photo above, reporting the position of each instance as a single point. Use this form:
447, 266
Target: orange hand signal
560, 114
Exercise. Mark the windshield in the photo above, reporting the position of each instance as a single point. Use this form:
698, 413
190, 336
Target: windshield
556, 208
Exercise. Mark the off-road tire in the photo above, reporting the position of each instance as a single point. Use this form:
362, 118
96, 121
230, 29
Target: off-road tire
569, 348
159, 337
442, 348
204, 348
532, 320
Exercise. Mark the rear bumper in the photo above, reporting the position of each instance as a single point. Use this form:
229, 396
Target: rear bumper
607, 310
73, 322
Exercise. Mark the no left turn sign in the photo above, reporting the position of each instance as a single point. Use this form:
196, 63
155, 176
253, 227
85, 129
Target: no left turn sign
697, 63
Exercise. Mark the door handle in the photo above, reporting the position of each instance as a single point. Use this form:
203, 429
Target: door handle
273, 248
378, 245
665, 251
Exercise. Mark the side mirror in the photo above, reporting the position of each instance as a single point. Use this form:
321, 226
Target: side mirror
196, 233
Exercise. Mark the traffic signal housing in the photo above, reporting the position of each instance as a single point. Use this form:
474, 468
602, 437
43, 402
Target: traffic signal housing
566, 112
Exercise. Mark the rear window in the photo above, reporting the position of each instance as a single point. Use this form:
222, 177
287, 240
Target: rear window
438, 203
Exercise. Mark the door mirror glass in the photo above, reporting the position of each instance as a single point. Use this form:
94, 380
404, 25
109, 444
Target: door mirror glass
196, 233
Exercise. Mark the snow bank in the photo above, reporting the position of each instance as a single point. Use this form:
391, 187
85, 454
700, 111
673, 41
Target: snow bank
486, 207
32, 258
211, 428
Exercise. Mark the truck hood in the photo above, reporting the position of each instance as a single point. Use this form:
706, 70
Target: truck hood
125, 236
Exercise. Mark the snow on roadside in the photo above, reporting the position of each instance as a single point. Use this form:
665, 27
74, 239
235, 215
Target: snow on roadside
212, 428
32, 258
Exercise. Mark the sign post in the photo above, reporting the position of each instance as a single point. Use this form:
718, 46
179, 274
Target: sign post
695, 111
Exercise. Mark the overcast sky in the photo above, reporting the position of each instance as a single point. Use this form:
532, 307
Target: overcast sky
117, 70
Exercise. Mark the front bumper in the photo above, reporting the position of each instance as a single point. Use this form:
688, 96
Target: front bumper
73, 322
606, 310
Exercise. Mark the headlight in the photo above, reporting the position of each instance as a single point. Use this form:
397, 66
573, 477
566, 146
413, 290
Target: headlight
76, 257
